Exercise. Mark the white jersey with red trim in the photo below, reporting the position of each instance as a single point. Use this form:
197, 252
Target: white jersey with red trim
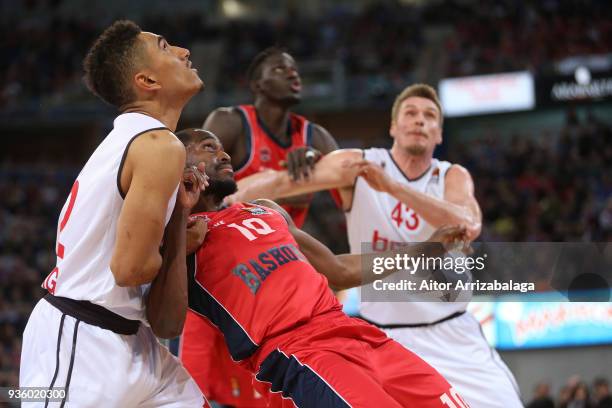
87, 226
379, 222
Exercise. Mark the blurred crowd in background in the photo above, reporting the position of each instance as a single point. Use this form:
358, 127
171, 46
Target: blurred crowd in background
382, 44
576, 393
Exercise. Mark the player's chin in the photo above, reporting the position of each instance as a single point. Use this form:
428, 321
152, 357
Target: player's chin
293, 99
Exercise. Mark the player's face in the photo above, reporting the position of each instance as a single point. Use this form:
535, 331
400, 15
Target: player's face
169, 66
417, 128
280, 79
208, 149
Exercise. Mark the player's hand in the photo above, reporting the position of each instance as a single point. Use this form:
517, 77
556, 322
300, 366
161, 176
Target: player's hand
452, 238
374, 174
197, 227
194, 182
300, 162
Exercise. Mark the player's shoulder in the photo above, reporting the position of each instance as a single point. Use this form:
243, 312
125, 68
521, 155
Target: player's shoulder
376, 154
158, 141
225, 122
264, 202
457, 170
234, 114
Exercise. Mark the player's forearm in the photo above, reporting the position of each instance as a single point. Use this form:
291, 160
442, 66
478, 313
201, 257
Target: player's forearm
167, 299
359, 268
437, 212
268, 184
332, 171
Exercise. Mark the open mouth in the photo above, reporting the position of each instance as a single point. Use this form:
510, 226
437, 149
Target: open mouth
296, 86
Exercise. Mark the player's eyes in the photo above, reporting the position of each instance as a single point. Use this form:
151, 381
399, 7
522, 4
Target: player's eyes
209, 148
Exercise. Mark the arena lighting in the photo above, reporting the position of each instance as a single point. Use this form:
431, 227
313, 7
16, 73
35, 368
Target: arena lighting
233, 8
483, 94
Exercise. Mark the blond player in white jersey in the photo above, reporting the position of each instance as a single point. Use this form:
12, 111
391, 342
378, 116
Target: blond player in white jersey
92, 338
401, 195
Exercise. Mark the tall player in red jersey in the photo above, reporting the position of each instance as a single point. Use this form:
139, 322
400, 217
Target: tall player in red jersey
256, 279
264, 135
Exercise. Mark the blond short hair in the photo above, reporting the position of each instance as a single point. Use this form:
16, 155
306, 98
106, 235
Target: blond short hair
420, 90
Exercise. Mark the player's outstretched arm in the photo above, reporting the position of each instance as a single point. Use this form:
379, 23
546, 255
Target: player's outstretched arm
151, 173
334, 170
458, 207
352, 270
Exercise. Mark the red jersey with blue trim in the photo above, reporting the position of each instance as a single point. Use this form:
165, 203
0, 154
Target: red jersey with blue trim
266, 152
251, 281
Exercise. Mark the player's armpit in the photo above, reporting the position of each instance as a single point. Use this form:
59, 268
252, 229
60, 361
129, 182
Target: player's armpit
334, 170
151, 173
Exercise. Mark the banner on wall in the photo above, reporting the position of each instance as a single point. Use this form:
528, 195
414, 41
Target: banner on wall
474, 95
521, 325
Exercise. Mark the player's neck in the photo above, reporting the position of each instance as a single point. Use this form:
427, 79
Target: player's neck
167, 114
413, 166
275, 117
207, 203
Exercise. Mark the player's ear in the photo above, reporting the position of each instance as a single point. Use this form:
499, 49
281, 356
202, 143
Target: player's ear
393, 129
146, 81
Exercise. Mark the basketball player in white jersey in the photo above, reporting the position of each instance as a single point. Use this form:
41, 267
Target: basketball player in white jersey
113, 289
402, 195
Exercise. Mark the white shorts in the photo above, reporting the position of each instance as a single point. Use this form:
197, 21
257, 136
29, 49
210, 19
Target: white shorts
108, 369
459, 351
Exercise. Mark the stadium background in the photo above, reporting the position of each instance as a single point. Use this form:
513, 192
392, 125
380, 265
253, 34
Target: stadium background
537, 140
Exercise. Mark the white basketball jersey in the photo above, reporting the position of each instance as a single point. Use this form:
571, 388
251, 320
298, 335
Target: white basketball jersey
384, 222
87, 226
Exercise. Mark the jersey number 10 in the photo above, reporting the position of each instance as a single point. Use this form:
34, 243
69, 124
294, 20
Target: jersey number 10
256, 225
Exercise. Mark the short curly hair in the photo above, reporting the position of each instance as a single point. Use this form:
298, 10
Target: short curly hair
111, 61
254, 70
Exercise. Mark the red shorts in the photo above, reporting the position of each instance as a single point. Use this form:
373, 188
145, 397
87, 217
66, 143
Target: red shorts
205, 355
338, 361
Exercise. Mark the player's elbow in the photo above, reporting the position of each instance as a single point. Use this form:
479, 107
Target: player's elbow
344, 277
473, 228
129, 273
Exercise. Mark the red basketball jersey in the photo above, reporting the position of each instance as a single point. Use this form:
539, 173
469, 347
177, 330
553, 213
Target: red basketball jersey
252, 281
265, 151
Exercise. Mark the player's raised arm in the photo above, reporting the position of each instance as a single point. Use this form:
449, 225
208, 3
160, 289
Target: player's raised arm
458, 207
136, 259
347, 270
334, 170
